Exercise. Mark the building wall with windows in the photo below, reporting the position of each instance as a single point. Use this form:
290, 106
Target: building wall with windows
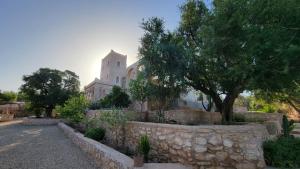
114, 71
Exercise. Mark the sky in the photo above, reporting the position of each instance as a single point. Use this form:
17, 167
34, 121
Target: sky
72, 34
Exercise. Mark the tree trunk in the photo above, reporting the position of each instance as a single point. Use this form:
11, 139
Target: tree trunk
49, 111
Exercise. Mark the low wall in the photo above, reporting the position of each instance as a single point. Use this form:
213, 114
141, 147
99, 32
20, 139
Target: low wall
105, 156
18, 109
181, 116
6, 117
232, 146
272, 121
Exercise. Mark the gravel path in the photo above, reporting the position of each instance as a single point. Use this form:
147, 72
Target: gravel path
39, 147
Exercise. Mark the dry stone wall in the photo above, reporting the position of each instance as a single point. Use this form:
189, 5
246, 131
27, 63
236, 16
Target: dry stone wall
205, 146
104, 156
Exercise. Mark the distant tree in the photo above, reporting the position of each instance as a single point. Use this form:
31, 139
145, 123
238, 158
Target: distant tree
139, 89
7, 96
290, 96
116, 98
231, 47
46, 88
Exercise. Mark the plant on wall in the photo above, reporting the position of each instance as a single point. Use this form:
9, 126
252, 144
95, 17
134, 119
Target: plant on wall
115, 119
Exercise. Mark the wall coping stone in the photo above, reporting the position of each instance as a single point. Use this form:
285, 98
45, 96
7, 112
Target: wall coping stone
236, 128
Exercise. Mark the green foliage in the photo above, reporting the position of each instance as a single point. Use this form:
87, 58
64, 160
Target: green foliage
144, 146
115, 119
73, 109
260, 105
239, 118
7, 96
234, 46
116, 98
158, 56
283, 152
287, 126
95, 105
46, 88
139, 89
95, 133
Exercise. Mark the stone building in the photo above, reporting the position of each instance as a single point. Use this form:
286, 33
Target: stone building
114, 71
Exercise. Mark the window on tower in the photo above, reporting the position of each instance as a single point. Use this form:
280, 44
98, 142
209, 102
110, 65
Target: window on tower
117, 79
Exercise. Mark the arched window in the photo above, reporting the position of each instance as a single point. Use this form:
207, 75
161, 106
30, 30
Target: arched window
118, 63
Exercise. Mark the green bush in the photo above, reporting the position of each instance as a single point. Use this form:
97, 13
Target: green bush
73, 109
116, 98
283, 152
239, 118
95, 105
144, 146
7, 96
95, 133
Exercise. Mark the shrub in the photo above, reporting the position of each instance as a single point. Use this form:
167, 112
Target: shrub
115, 120
287, 126
283, 152
144, 146
95, 133
116, 98
95, 105
239, 118
73, 109
7, 97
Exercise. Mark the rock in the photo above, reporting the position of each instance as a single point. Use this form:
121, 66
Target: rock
200, 149
227, 143
221, 155
215, 140
178, 141
201, 141
245, 165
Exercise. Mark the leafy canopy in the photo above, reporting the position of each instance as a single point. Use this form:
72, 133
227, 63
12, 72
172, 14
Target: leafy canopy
116, 98
46, 88
222, 51
73, 109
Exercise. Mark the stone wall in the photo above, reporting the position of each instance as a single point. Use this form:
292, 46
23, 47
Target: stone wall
6, 117
272, 121
18, 109
205, 146
105, 157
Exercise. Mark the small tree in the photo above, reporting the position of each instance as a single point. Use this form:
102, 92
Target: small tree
115, 119
116, 98
139, 89
7, 96
73, 109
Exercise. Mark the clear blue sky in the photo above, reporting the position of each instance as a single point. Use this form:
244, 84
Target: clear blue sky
72, 34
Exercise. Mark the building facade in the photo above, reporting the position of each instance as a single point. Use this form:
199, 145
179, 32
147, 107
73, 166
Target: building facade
114, 72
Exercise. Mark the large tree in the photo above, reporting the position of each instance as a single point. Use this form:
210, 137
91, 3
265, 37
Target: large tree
231, 47
46, 88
